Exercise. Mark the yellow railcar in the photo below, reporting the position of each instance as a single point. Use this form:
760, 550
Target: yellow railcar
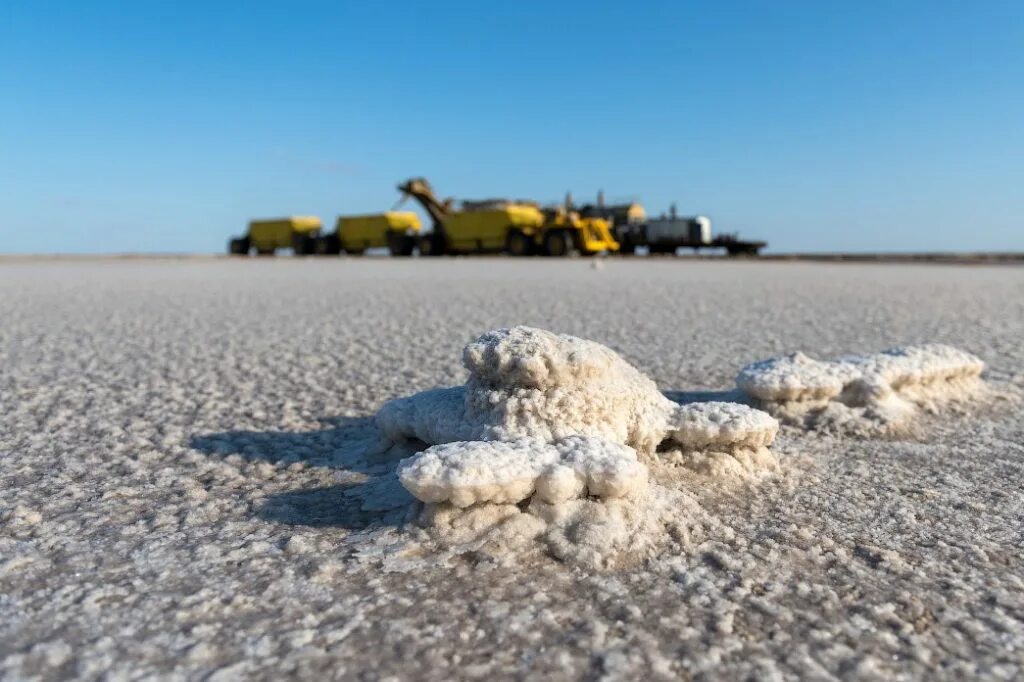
267, 236
493, 229
396, 230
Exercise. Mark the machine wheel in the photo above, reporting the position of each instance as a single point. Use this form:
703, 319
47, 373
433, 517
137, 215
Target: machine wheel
742, 250
239, 247
264, 252
401, 244
328, 246
558, 243
518, 244
432, 245
304, 244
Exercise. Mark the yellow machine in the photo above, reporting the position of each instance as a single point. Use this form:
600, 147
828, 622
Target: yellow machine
627, 221
565, 231
397, 230
267, 236
667, 233
519, 227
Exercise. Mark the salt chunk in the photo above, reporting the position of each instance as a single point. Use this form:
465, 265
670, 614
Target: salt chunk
872, 393
699, 426
794, 377
473, 472
469, 472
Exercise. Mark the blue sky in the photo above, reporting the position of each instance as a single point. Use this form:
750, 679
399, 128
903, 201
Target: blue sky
150, 126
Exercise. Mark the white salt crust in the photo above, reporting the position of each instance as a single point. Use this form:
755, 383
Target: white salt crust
176, 510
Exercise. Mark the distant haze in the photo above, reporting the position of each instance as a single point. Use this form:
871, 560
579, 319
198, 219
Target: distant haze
153, 127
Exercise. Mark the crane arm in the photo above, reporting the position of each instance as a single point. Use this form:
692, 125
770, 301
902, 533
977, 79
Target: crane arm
420, 190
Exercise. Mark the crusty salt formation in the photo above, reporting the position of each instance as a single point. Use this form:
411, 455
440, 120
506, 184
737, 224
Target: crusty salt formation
552, 418
870, 392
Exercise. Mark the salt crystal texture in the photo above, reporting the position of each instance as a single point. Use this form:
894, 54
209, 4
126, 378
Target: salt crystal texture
881, 391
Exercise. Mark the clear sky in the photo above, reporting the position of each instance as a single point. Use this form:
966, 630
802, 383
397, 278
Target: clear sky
156, 126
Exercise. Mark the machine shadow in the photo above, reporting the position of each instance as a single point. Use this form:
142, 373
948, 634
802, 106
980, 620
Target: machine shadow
367, 491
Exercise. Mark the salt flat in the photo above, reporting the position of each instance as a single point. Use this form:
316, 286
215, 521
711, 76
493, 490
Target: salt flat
185, 488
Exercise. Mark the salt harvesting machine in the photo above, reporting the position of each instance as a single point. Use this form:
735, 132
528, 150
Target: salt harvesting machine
516, 227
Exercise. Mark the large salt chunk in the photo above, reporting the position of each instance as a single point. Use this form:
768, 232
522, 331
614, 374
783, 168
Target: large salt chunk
552, 417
